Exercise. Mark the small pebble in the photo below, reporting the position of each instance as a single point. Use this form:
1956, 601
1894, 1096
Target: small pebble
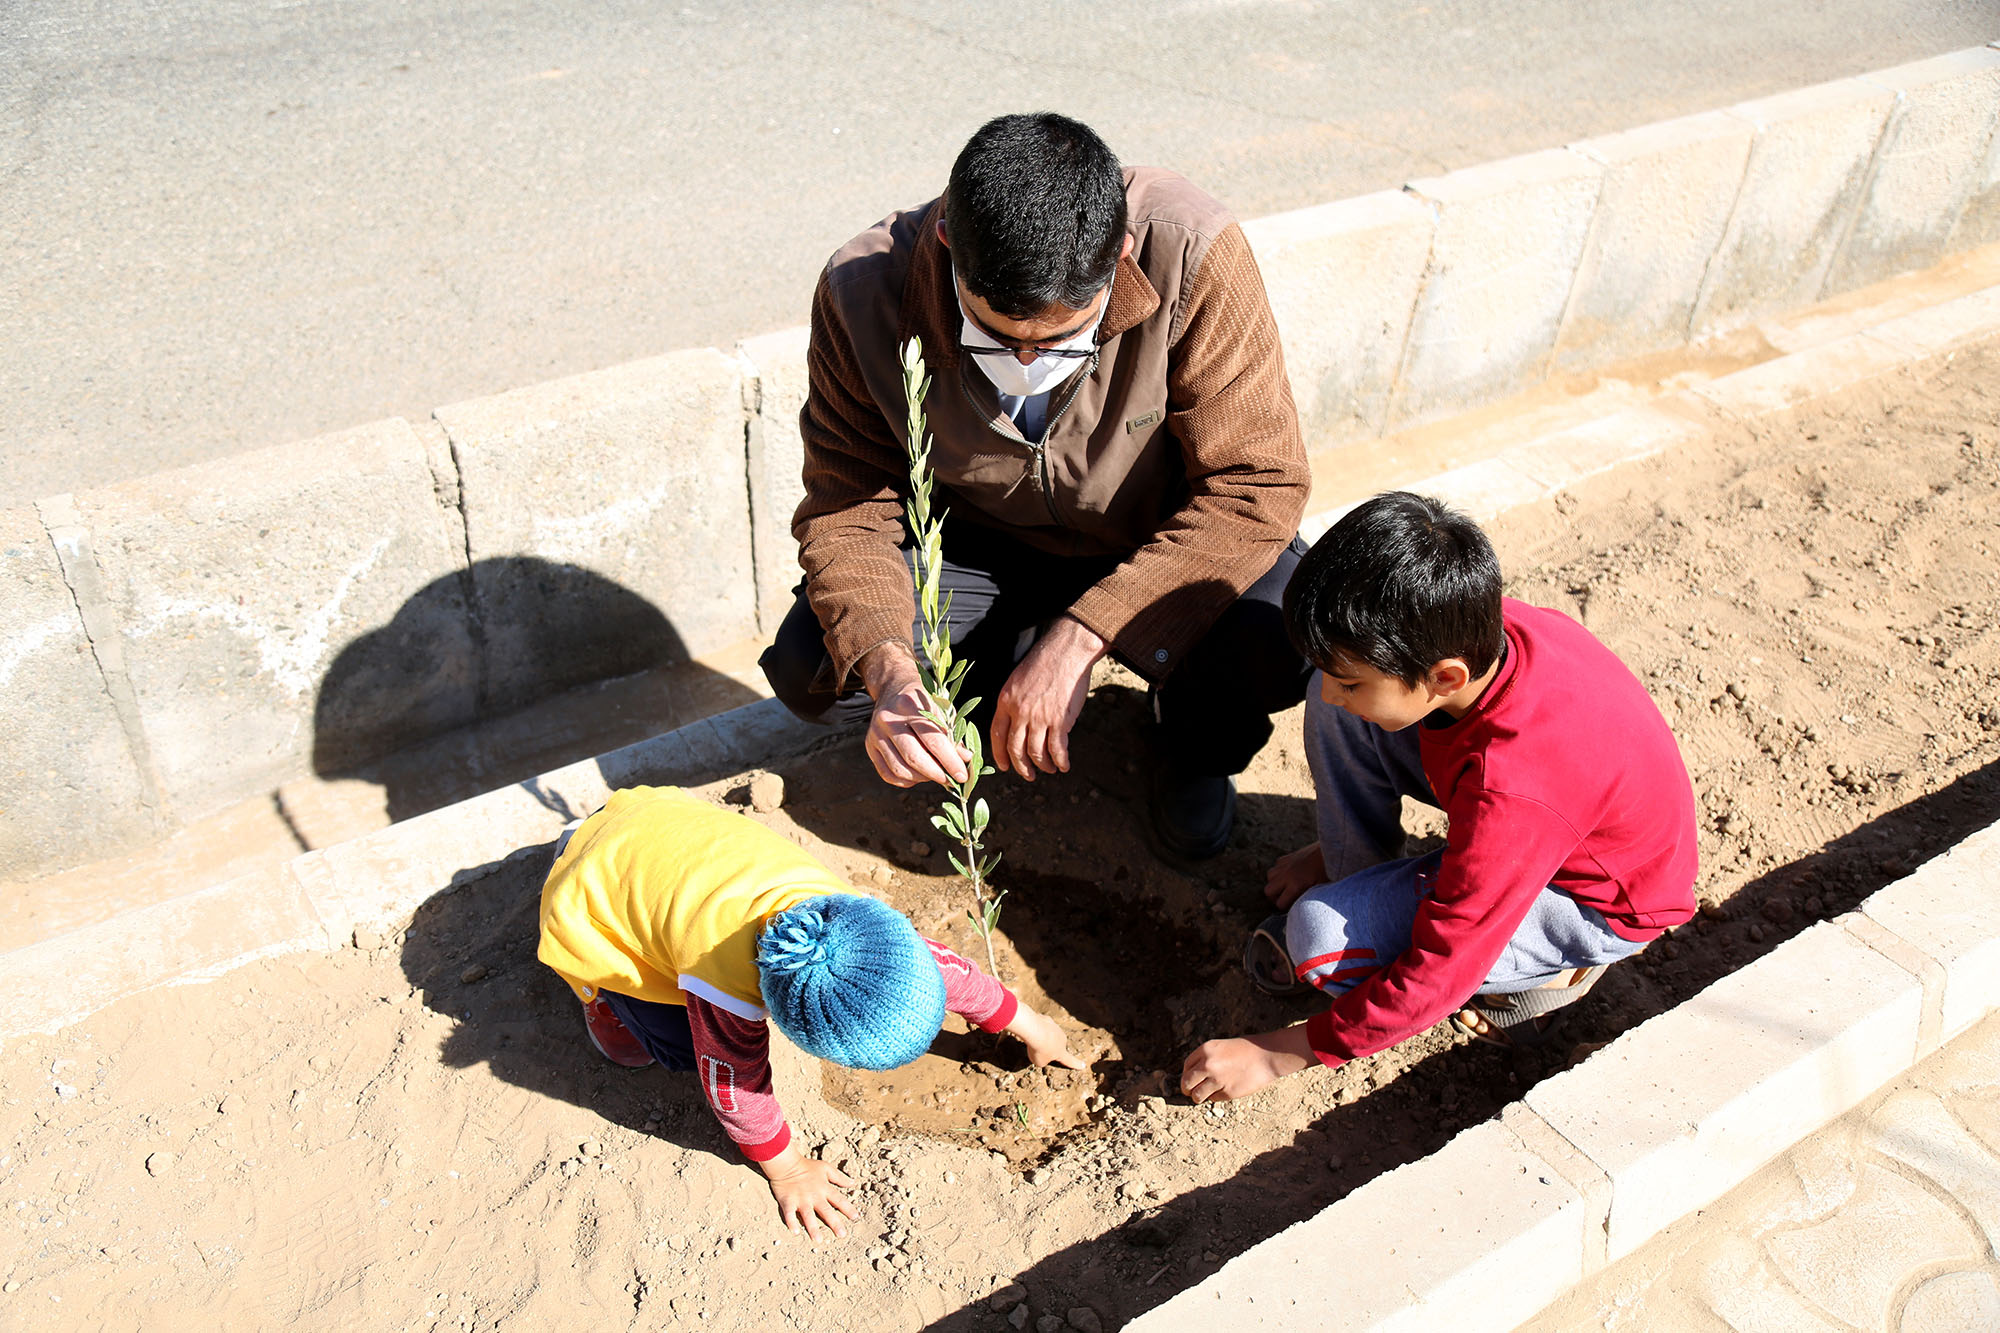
1018, 1316
1084, 1320
367, 940
10, 1288
1007, 1297
1335, 1162
767, 793
159, 1163
477, 972
1049, 1323
590, 1148
919, 850
1736, 690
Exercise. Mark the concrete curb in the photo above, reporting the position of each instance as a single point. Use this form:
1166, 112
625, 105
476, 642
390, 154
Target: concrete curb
223, 628
317, 900
1510, 1214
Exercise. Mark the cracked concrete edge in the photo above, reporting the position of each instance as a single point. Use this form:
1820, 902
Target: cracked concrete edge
1948, 936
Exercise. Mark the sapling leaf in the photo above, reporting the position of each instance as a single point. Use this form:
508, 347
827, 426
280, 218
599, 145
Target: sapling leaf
959, 866
980, 814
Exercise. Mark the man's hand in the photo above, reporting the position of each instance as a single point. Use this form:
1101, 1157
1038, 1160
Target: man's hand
905, 746
1293, 874
1046, 1042
1041, 699
1238, 1066
808, 1193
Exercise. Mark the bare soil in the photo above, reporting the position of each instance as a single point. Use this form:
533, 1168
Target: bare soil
417, 1136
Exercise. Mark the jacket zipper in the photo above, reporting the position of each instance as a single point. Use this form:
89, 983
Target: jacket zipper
1039, 449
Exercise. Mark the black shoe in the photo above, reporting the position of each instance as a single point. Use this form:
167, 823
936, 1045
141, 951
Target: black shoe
1193, 816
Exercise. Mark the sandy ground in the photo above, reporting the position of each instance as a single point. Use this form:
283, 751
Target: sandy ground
414, 1134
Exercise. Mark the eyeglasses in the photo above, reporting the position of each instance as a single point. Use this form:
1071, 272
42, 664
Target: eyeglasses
1053, 353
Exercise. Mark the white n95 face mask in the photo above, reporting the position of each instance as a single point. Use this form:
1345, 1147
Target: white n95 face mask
1051, 366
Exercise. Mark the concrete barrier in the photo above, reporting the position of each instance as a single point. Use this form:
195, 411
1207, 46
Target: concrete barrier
320, 604
1930, 161
635, 475
233, 585
1807, 171
1509, 237
1343, 281
1668, 192
68, 778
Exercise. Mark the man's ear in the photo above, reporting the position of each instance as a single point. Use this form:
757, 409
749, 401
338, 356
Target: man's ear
945, 240
1448, 677
1125, 252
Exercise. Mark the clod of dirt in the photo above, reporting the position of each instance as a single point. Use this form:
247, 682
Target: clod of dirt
767, 793
159, 1163
1018, 1317
1049, 1323
477, 972
1007, 1298
1084, 1320
367, 940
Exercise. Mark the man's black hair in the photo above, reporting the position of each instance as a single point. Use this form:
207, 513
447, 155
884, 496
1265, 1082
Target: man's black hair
1400, 583
1035, 214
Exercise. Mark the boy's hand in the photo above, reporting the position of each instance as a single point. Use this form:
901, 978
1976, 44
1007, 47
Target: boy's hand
1294, 873
808, 1193
1235, 1067
1046, 1042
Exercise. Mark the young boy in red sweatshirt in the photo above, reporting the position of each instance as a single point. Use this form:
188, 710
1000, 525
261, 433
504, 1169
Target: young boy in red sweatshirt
1572, 820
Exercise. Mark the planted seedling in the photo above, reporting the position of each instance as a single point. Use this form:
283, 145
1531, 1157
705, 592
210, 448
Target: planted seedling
963, 817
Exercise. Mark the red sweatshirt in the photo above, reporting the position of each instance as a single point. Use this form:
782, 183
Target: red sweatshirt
1562, 773
732, 1055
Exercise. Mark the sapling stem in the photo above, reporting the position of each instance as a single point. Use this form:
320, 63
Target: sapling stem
963, 817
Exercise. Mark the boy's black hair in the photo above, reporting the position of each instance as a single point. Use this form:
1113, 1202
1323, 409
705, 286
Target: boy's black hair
1035, 214
1400, 583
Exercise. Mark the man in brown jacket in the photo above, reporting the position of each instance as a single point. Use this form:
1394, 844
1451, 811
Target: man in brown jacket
1117, 450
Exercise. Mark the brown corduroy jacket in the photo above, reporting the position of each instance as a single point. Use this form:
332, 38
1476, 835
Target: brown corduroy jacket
1176, 447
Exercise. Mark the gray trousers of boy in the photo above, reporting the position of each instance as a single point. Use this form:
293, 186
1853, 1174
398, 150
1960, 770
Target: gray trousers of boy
1359, 921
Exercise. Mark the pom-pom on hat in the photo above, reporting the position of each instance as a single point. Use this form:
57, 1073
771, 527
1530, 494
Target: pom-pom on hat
847, 978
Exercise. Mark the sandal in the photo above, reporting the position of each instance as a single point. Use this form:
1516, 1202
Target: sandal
1525, 1018
1267, 962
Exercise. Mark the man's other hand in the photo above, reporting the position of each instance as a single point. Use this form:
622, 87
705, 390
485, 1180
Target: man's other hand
1042, 698
905, 746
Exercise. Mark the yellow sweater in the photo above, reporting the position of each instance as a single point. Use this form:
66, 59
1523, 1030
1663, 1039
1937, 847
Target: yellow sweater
660, 895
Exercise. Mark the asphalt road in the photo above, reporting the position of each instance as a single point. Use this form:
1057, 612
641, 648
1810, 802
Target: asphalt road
227, 224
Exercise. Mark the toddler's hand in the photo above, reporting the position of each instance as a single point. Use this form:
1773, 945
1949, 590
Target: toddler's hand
1294, 873
808, 1193
1046, 1042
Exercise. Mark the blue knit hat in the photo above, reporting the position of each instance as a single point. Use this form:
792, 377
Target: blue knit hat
847, 978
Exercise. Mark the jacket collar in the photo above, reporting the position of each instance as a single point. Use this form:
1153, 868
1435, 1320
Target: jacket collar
930, 297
